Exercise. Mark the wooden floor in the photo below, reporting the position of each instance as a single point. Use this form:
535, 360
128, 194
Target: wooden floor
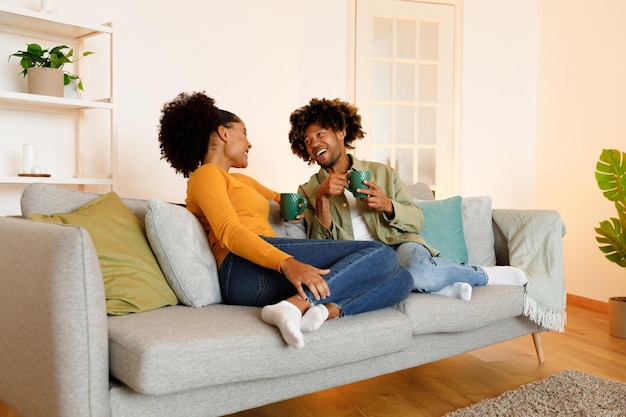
437, 388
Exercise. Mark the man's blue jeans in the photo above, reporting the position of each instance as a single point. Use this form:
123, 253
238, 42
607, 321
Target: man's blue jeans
363, 275
432, 273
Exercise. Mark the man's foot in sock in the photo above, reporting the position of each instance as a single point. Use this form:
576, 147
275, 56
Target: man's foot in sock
313, 318
460, 290
505, 275
287, 317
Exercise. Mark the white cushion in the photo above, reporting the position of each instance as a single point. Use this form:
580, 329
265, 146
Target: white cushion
182, 249
478, 230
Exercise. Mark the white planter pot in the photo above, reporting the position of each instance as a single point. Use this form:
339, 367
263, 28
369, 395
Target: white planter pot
617, 317
71, 90
45, 81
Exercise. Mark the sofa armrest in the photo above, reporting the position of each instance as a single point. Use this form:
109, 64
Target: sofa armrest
535, 245
54, 343
527, 230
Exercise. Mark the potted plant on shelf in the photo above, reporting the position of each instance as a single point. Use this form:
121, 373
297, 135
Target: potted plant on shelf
611, 178
45, 68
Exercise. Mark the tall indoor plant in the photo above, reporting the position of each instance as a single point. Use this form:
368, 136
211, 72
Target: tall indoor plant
35, 59
611, 178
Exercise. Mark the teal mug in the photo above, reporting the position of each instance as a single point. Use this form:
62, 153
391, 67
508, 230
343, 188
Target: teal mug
355, 181
292, 205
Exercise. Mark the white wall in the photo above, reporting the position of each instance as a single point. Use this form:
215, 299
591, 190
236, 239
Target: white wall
499, 101
581, 107
526, 147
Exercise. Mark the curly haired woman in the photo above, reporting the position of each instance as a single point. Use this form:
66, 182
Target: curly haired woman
299, 283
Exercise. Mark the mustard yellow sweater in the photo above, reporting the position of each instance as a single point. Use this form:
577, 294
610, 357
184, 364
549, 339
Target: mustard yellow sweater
233, 209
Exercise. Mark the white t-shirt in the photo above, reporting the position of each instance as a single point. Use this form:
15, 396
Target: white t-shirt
359, 227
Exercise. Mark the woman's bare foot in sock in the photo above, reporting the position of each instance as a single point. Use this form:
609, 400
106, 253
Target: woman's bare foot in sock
505, 275
460, 290
313, 318
287, 317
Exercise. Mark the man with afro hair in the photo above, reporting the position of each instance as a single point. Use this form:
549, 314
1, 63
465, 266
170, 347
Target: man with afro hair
322, 132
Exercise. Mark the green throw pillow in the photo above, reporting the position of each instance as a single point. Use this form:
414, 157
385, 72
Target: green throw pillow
443, 227
133, 281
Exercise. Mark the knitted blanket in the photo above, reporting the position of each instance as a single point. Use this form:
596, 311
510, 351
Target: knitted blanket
535, 242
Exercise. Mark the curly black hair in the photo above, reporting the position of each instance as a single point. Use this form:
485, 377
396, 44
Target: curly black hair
333, 114
186, 125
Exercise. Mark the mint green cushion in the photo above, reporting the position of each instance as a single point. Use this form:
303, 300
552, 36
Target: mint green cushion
443, 227
133, 281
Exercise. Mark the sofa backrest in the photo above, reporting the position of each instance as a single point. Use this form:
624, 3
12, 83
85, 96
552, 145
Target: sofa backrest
49, 199
421, 191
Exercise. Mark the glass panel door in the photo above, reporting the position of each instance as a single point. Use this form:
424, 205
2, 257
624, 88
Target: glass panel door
404, 88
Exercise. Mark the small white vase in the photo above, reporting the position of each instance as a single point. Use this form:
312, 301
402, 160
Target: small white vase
617, 317
45, 81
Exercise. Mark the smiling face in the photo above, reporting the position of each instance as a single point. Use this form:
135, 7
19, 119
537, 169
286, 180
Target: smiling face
325, 146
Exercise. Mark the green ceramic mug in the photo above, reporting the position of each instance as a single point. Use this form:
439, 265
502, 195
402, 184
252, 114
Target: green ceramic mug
292, 205
355, 179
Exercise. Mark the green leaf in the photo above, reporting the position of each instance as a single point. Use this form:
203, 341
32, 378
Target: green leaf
611, 178
34, 49
612, 240
58, 49
26, 63
611, 174
54, 61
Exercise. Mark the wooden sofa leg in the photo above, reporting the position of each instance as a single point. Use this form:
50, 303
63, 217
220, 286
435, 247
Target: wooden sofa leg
538, 346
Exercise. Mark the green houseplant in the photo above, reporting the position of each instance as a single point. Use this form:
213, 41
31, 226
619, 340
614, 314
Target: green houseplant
56, 57
611, 235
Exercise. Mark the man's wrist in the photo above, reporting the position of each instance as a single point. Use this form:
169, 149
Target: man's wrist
392, 213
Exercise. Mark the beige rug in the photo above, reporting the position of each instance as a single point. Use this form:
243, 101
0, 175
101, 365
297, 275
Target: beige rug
568, 393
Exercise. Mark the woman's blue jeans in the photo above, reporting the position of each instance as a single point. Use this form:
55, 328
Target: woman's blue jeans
363, 275
432, 273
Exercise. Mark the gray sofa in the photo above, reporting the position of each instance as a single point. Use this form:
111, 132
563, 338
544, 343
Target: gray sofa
62, 355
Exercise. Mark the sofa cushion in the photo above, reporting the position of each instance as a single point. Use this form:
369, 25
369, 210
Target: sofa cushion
443, 227
478, 230
182, 249
133, 281
179, 348
430, 313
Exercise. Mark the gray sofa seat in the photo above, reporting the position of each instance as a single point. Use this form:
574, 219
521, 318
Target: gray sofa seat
179, 348
430, 313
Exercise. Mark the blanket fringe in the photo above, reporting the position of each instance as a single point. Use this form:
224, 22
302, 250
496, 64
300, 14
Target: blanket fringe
549, 318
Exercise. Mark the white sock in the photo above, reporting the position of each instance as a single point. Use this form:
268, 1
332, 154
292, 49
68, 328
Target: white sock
460, 290
313, 318
286, 317
505, 275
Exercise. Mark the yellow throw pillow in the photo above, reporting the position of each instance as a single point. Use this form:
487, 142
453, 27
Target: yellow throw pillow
133, 281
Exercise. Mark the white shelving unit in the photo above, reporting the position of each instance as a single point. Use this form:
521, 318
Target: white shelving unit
37, 25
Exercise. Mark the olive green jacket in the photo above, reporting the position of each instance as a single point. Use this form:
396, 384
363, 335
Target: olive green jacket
404, 227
